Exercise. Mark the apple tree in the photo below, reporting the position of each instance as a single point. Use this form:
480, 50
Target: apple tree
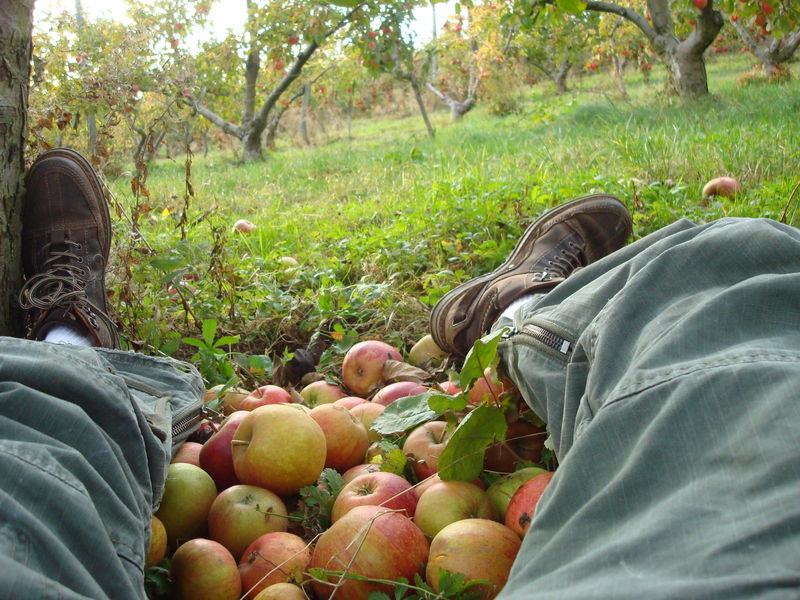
16, 24
683, 56
769, 28
620, 43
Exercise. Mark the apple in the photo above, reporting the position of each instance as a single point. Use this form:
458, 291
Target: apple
727, 187
188, 494
231, 398
157, 547
449, 501
242, 513
321, 392
367, 413
350, 401
373, 542
292, 40
395, 391
362, 367
701, 4
278, 447
188, 452
266, 394
288, 262
204, 570
450, 387
424, 445
488, 388
216, 457
502, 490
426, 354
277, 557
522, 506
376, 489
361, 469
282, 591
244, 226
345, 436
524, 442
476, 548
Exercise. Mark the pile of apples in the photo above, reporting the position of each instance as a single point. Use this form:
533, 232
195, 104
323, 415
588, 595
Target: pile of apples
228, 516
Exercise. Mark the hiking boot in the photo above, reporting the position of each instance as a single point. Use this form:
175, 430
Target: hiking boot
66, 238
563, 239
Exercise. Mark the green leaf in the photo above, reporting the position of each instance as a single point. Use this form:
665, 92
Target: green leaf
462, 458
440, 403
225, 340
480, 356
404, 414
394, 461
209, 329
194, 342
573, 7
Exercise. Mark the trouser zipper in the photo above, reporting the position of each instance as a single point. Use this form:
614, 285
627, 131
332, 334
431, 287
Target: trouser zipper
553, 341
188, 421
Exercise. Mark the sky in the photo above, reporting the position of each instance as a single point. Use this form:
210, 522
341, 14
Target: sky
230, 14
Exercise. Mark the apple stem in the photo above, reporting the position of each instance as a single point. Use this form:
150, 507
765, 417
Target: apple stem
240, 443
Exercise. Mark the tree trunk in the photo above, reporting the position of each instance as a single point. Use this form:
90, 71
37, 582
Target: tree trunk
773, 53
304, 114
16, 21
687, 72
420, 102
560, 77
619, 81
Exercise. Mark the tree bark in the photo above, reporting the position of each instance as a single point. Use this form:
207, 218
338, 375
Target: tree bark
772, 53
619, 80
304, 114
16, 22
560, 77
683, 58
412, 79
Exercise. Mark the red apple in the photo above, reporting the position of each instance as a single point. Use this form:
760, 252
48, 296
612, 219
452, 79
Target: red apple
376, 489
373, 542
424, 445
524, 442
488, 388
242, 513
450, 387
367, 413
266, 394
278, 447
701, 4
216, 457
361, 469
476, 548
727, 187
502, 490
350, 401
204, 570
450, 501
188, 494
395, 391
189, 452
520, 511
346, 438
321, 392
362, 367
277, 557
244, 226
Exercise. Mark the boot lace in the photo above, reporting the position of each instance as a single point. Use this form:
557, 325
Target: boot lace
567, 260
62, 284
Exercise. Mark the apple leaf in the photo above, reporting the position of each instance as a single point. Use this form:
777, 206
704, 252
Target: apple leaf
405, 413
397, 370
393, 461
480, 356
462, 458
573, 7
440, 403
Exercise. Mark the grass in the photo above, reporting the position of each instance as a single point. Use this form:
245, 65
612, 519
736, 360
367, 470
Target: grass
384, 223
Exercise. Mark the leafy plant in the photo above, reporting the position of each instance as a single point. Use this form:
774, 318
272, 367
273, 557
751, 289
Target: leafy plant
212, 360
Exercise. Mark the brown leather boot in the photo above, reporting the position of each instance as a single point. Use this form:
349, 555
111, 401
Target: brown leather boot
566, 237
66, 238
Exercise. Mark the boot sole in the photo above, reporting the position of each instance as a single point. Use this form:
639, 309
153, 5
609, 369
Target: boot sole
534, 230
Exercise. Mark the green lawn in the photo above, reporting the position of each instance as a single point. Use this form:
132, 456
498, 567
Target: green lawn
384, 223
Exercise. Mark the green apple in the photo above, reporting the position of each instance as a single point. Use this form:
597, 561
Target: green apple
502, 490
188, 494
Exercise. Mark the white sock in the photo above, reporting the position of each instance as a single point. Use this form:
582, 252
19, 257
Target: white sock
68, 334
512, 308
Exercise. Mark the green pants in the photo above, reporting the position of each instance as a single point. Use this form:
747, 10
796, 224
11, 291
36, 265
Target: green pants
669, 376
85, 439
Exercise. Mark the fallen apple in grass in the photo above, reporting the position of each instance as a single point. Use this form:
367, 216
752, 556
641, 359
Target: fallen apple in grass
282, 591
157, 546
373, 542
522, 506
426, 354
203, 569
321, 392
244, 226
231, 398
188, 494
727, 187
400, 389
446, 502
188, 452
362, 367
216, 456
279, 448
350, 401
242, 513
272, 558
266, 394
367, 413
424, 445
361, 469
502, 490
345, 437
477, 549
377, 489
